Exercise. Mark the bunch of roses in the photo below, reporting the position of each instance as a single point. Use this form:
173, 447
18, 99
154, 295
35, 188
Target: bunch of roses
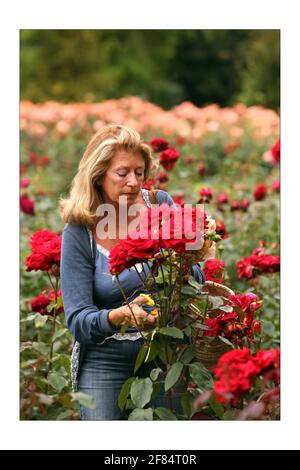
161, 228
237, 324
41, 303
259, 262
237, 371
45, 252
169, 155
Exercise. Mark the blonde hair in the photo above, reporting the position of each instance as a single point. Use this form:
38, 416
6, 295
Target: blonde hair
84, 197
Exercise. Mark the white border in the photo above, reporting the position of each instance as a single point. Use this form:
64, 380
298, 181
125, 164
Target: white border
147, 435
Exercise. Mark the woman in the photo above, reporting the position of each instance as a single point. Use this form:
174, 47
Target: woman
112, 171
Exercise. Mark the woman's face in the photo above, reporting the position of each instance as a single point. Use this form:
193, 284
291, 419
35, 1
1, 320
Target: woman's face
123, 177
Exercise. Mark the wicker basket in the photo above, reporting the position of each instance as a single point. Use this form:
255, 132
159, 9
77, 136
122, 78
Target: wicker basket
209, 349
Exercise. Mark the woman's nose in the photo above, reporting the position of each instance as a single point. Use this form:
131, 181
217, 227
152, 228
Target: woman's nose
132, 180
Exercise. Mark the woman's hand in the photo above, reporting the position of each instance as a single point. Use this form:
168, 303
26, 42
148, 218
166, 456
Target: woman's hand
134, 315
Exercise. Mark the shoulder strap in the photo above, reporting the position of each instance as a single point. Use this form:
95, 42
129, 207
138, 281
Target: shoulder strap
152, 195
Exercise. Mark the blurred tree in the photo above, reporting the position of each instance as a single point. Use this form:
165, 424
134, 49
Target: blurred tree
163, 66
260, 77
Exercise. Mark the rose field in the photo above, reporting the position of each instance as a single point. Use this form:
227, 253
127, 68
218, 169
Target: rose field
225, 158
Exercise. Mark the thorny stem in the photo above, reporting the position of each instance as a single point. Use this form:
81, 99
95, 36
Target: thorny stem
55, 288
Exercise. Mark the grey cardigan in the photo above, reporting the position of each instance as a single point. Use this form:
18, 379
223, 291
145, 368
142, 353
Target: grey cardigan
88, 322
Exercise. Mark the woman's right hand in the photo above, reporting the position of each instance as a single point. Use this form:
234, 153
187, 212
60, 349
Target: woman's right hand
134, 315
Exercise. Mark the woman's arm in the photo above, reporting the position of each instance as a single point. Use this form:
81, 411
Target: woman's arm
84, 320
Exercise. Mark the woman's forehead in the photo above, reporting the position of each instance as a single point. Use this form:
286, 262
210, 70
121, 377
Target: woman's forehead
123, 158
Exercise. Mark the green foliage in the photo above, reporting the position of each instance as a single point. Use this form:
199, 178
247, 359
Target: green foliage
163, 66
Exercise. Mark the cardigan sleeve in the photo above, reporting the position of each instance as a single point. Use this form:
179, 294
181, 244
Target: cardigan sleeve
196, 271
85, 321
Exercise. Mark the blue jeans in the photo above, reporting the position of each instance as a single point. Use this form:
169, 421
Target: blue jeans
104, 369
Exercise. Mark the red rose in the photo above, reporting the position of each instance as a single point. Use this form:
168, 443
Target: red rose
260, 192
159, 144
275, 151
46, 251
162, 177
40, 303
26, 204
222, 199
25, 182
214, 270
149, 183
221, 229
168, 158
205, 195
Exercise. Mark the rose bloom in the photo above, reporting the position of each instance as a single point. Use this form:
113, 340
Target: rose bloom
40, 303
237, 371
275, 150
260, 192
45, 251
162, 177
159, 144
178, 200
222, 199
26, 204
149, 183
214, 270
205, 195
221, 229
168, 158
25, 182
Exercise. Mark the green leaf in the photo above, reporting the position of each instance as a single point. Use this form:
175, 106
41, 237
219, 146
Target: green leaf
124, 393
201, 376
57, 381
30, 317
192, 281
188, 290
226, 308
41, 347
226, 341
65, 362
59, 333
140, 357
188, 331
187, 354
139, 414
41, 321
200, 326
185, 401
164, 414
171, 331
155, 373
141, 391
84, 399
216, 301
173, 375
216, 407
50, 307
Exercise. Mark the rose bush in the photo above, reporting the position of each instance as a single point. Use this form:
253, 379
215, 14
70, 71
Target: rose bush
228, 150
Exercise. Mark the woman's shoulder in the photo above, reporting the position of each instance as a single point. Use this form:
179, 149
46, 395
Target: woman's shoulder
164, 196
76, 231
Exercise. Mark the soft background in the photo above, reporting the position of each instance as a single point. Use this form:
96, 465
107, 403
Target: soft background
213, 94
